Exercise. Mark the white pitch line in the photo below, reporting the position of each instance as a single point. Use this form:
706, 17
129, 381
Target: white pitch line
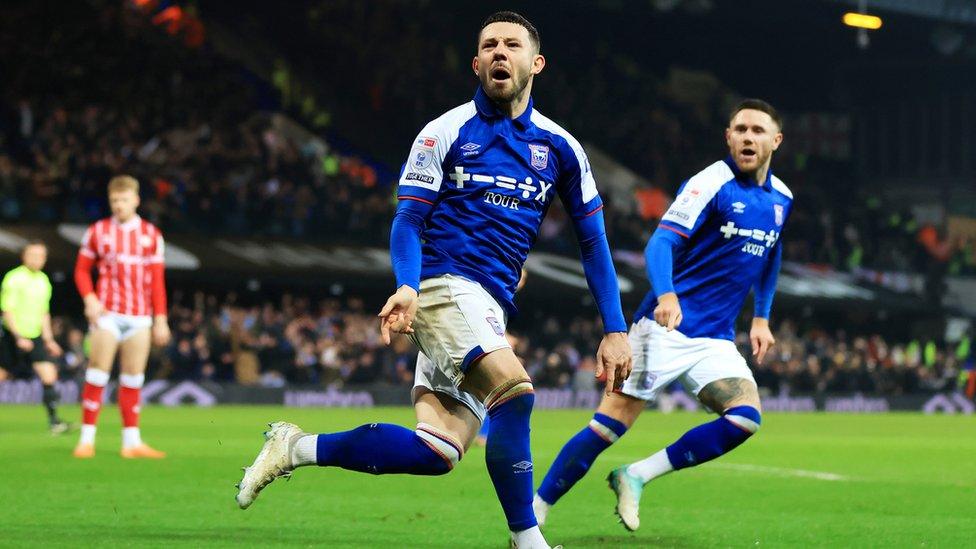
763, 469
780, 471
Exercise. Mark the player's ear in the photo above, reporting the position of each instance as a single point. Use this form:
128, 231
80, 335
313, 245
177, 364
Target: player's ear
538, 63
728, 136
474, 65
777, 140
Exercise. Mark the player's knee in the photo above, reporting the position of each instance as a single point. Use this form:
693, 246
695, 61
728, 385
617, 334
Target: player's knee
447, 449
607, 428
746, 418
511, 391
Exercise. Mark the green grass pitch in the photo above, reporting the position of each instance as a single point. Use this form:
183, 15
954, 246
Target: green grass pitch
829, 480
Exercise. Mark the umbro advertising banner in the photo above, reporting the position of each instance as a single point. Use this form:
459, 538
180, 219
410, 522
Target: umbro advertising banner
190, 393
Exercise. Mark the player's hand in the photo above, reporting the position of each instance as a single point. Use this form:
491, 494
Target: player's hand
93, 308
522, 279
668, 311
160, 332
762, 339
398, 313
53, 348
614, 359
25, 344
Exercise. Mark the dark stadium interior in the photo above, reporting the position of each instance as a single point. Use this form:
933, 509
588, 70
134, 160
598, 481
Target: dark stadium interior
289, 126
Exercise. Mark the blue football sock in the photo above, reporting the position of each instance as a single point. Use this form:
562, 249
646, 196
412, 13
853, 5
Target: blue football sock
576, 457
509, 457
707, 442
381, 448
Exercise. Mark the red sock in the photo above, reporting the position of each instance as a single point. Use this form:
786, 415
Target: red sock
91, 403
129, 405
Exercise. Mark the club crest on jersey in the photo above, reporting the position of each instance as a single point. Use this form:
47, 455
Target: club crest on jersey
145, 241
540, 156
495, 325
778, 212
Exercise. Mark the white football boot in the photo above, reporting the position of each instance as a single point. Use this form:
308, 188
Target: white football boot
272, 462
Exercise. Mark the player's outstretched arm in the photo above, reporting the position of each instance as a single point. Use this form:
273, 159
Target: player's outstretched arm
659, 260
405, 252
760, 335
614, 354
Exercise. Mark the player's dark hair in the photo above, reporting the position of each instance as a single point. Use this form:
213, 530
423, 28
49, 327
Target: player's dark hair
512, 17
758, 105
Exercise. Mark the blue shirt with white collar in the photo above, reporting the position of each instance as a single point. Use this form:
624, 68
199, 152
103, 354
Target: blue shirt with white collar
719, 239
481, 184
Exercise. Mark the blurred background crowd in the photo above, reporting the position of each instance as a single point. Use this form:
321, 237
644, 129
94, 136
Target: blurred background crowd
287, 140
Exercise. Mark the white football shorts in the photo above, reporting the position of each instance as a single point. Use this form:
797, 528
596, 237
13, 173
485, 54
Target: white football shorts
661, 357
123, 326
457, 323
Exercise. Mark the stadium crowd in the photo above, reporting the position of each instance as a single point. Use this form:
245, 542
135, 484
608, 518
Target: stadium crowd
336, 342
192, 131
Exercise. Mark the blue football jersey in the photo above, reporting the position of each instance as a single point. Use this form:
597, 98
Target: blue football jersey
490, 179
731, 226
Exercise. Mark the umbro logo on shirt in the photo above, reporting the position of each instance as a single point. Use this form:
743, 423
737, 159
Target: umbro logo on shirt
738, 207
470, 148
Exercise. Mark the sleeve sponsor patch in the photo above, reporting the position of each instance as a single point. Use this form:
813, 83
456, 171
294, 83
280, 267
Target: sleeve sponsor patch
426, 142
686, 208
419, 177
421, 158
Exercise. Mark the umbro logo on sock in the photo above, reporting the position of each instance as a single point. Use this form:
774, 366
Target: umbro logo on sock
522, 467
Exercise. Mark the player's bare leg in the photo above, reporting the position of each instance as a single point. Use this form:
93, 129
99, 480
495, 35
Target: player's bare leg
736, 400
104, 344
47, 372
500, 381
133, 356
445, 429
617, 413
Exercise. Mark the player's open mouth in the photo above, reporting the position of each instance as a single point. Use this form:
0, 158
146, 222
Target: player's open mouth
500, 74
747, 153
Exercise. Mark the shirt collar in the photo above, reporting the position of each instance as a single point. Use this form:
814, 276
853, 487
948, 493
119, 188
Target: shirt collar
739, 176
128, 225
488, 109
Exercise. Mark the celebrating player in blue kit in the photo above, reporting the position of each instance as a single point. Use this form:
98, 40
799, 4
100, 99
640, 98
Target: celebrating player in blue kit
718, 240
472, 195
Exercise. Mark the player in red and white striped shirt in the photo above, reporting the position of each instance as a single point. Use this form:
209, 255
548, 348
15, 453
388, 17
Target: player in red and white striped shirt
126, 312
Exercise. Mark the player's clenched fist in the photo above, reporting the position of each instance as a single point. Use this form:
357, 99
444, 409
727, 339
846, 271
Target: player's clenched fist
398, 313
614, 358
668, 312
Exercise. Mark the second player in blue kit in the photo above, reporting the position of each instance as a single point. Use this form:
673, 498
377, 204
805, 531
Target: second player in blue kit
719, 240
